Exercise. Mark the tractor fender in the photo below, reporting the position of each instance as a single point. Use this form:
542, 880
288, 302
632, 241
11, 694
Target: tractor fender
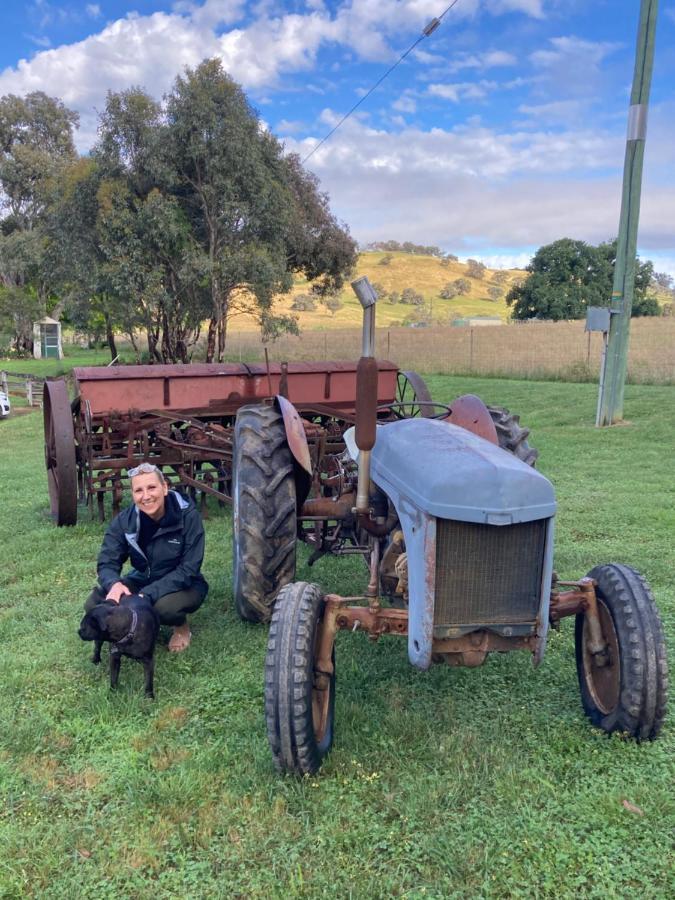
297, 444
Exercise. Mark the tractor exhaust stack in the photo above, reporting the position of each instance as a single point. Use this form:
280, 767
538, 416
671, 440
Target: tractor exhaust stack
366, 392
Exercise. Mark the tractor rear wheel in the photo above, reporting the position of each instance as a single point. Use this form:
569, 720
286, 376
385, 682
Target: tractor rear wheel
264, 511
299, 699
512, 436
624, 688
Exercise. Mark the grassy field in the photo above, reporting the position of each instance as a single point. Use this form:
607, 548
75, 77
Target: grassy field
452, 783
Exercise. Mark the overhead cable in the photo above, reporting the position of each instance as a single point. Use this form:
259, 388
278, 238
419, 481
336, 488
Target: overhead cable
428, 30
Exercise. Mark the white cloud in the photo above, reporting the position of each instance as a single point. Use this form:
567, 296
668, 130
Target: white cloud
40, 41
93, 10
467, 90
570, 51
406, 103
554, 113
488, 60
475, 188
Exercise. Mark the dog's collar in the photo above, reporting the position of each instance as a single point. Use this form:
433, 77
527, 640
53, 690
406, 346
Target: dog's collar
129, 636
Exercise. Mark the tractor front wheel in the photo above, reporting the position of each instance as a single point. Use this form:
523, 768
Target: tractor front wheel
299, 699
624, 687
264, 511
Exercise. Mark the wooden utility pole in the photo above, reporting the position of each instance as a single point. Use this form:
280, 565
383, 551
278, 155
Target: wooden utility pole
613, 379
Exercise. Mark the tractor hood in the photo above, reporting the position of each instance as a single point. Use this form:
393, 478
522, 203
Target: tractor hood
450, 473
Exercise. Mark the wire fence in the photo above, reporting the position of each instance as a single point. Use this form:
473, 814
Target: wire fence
546, 350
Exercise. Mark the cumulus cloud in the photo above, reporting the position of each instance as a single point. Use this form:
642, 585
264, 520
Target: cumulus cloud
468, 90
475, 187
488, 60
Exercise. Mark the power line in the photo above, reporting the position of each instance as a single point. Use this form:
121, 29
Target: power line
428, 30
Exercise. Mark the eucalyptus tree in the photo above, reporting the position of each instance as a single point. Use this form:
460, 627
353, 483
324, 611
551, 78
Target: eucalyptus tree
256, 215
36, 143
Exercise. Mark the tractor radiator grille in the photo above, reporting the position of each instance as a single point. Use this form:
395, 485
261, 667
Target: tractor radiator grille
488, 573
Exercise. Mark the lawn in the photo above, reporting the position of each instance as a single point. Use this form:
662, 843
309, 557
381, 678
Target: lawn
451, 783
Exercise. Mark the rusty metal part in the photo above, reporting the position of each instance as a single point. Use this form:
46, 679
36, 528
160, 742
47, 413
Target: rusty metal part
373, 583
412, 396
366, 403
483, 641
597, 646
60, 458
374, 620
221, 388
601, 667
388, 575
571, 603
469, 412
295, 434
326, 507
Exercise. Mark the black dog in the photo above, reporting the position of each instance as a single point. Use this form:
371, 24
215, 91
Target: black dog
131, 626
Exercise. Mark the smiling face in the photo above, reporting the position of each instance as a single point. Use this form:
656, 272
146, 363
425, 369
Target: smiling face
149, 492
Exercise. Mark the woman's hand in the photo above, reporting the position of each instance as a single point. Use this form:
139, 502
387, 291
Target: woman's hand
116, 591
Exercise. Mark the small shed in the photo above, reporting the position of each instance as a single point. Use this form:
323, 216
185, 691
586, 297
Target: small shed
47, 339
474, 321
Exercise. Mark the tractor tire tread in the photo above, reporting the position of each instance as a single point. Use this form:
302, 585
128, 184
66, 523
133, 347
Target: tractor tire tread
289, 680
266, 528
644, 669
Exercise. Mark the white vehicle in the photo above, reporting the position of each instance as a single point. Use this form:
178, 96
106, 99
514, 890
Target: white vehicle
4, 405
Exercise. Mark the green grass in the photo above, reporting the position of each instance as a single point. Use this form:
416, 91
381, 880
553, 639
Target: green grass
451, 783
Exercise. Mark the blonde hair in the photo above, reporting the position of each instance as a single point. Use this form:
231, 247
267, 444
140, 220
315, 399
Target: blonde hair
146, 468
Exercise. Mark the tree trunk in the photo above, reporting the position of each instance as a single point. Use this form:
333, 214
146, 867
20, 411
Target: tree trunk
110, 337
211, 340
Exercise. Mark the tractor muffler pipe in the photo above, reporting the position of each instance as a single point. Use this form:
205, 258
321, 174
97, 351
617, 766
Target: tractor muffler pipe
366, 392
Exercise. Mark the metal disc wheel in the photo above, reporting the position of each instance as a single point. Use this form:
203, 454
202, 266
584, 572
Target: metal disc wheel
512, 436
60, 456
624, 687
412, 396
299, 699
264, 525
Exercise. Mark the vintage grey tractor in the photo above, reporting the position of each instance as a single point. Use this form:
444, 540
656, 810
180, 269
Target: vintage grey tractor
456, 528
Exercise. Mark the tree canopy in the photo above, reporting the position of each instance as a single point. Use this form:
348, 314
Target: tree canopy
187, 211
568, 276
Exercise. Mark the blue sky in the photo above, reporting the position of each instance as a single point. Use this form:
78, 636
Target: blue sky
504, 130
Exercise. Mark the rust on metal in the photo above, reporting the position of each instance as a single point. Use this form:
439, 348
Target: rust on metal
366, 402
295, 433
470, 413
571, 603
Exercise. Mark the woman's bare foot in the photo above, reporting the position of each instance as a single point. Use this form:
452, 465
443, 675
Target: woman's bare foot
180, 639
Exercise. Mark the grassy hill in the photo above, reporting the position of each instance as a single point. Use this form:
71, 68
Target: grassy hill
427, 275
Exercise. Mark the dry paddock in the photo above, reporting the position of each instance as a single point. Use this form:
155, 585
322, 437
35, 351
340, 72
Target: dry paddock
529, 349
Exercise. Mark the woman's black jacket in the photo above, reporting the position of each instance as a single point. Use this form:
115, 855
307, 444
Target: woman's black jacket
172, 558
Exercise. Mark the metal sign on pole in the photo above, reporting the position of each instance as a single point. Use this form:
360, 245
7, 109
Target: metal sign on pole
613, 375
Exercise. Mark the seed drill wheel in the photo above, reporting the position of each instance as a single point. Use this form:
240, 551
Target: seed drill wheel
299, 699
624, 688
60, 453
410, 390
264, 511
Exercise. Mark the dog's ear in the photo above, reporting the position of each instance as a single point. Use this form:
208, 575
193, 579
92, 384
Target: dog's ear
99, 615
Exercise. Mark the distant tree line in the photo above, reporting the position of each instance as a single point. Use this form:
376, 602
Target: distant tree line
409, 247
184, 212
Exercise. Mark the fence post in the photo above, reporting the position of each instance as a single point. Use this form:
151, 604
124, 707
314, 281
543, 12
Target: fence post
471, 350
29, 391
5, 388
